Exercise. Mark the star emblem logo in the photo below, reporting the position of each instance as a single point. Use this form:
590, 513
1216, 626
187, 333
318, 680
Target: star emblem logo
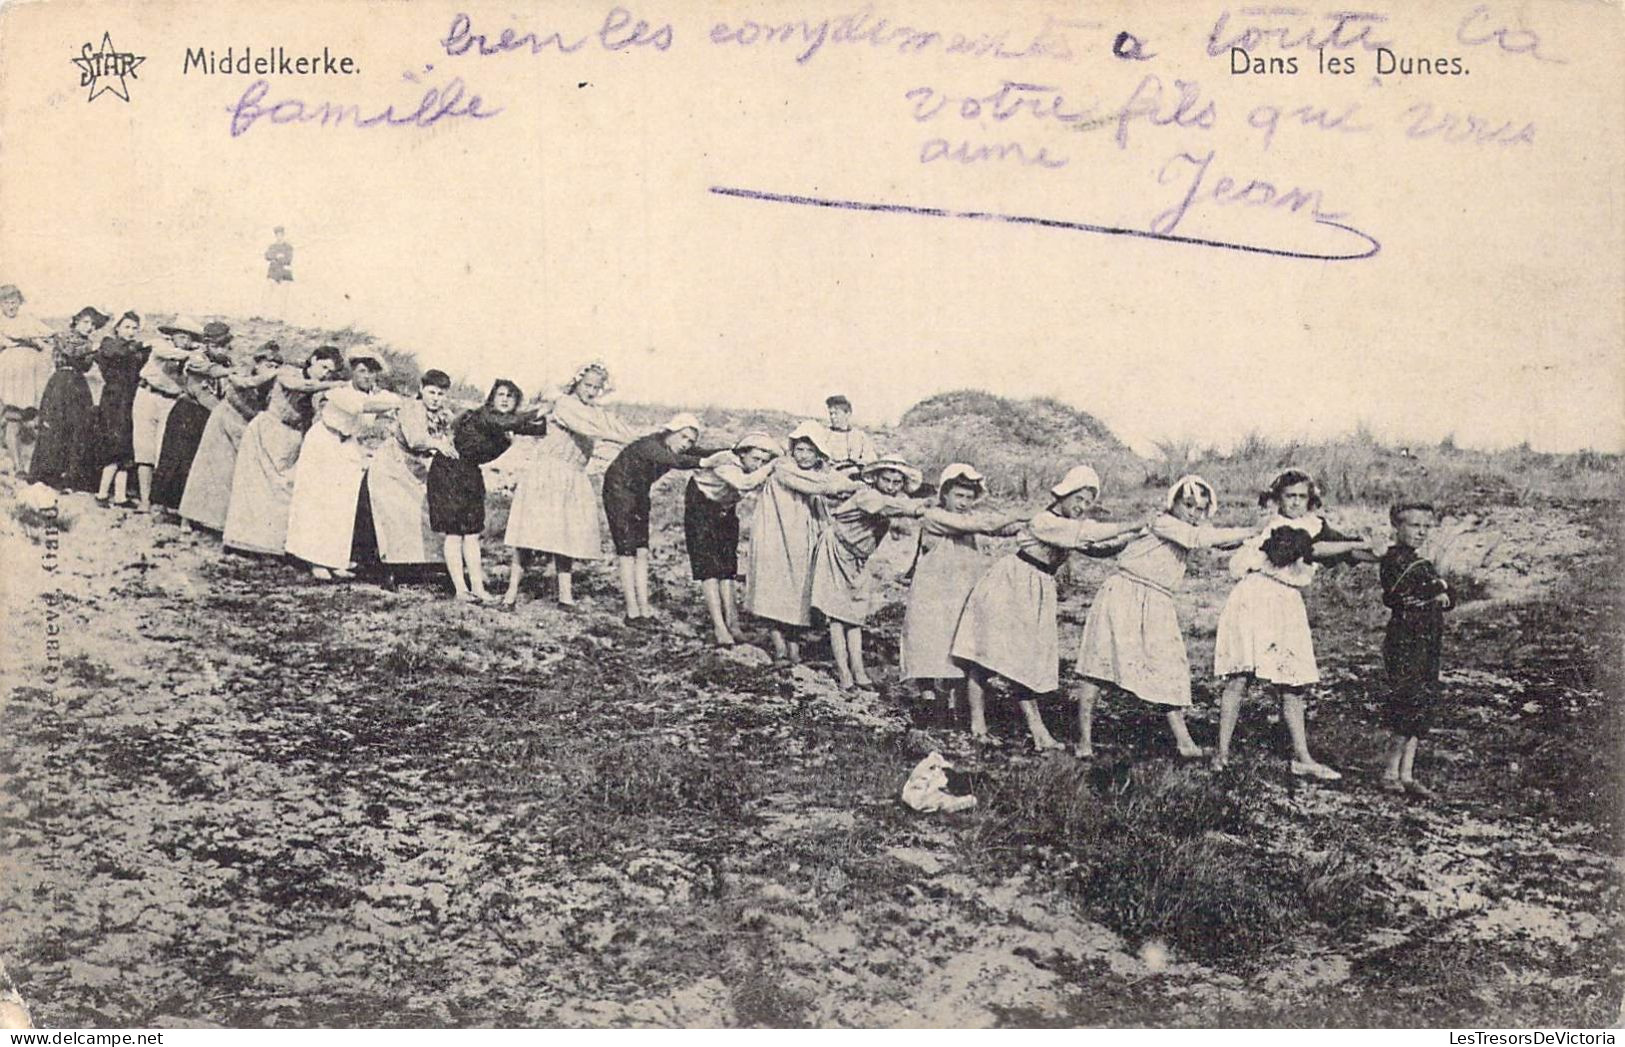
105, 71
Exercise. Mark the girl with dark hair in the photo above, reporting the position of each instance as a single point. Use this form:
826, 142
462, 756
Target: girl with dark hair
120, 359
397, 484
262, 479
711, 524
65, 456
1263, 630
456, 486
207, 495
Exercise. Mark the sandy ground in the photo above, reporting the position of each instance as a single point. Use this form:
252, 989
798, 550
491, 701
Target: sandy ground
234, 796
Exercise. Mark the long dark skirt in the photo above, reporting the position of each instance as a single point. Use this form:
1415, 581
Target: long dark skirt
65, 455
114, 443
456, 496
182, 434
712, 531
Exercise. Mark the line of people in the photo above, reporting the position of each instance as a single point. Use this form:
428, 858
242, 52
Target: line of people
266, 452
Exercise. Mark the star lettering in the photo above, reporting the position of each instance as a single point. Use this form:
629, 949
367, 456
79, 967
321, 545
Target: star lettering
104, 71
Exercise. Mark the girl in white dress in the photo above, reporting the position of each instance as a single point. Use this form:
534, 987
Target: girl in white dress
1132, 638
1009, 628
555, 509
1264, 629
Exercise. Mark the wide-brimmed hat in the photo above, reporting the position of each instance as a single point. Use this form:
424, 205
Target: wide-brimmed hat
960, 473
1076, 479
814, 434
892, 463
97, 318
216, 332
759, 442
357, 353
10, 291
683, 420
182, 325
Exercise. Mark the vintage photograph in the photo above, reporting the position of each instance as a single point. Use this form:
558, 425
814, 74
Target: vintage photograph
742, 513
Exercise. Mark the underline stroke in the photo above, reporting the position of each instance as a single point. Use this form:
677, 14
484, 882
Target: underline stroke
1051, 223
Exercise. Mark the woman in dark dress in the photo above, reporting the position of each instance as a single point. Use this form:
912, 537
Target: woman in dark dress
457, 487
627, 483
65, 456
183, 431
120, 359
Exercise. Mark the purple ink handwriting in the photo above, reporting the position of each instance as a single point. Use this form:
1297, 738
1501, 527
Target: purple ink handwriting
1012, 99
1268, 119
805, 37
1482, 26
620, 30
1147, 103
450, 101
1227, 191
1293, 28
1369, 245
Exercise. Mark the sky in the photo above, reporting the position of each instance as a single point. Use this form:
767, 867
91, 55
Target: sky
578, 222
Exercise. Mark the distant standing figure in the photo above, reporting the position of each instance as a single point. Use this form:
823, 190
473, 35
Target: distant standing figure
1416, 598
26, 365
65, 456
850, 449
555, 509
120, 359
280, 257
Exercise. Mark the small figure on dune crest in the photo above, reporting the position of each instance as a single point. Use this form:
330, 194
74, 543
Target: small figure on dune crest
711, 524
841, 583
1263, 630
1417, 598
1132, 639
849, 449
1009, 630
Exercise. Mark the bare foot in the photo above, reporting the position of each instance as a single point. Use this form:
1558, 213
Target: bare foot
510, 599
1195, 752
466, 597
1046, 744
1221, 762
480, 596
321, 574
1083, 752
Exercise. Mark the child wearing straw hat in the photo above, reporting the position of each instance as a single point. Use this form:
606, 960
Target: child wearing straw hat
841, 589
789, 515
627, 485
947, 566
1132, 639
1008, 630
711, 524
555, 510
